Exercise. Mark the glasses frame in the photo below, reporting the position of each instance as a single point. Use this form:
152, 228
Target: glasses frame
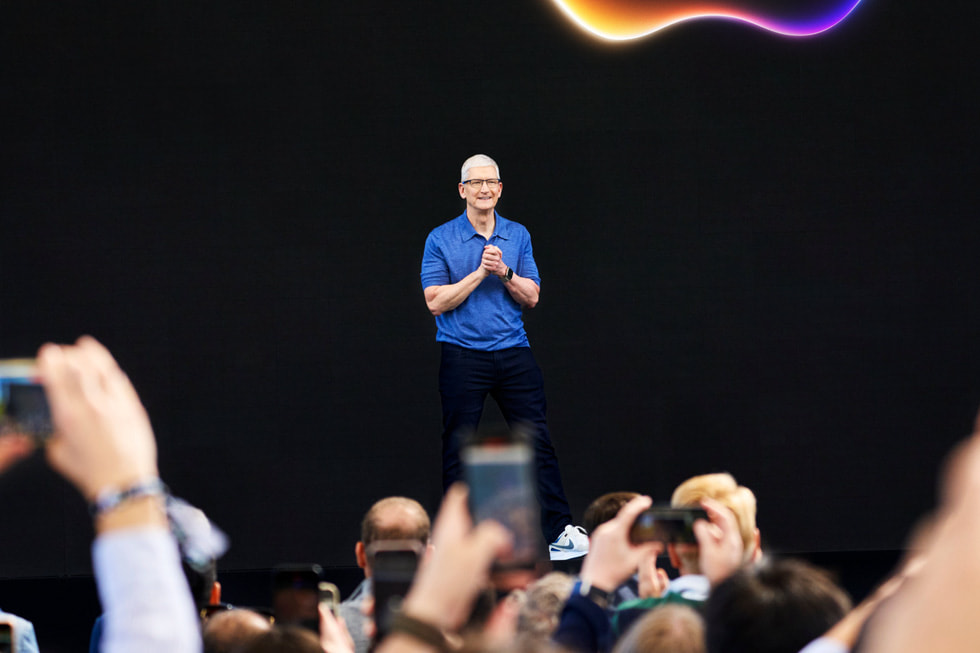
472, 183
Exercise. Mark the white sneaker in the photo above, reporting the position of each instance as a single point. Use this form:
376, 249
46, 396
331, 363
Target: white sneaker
572, 543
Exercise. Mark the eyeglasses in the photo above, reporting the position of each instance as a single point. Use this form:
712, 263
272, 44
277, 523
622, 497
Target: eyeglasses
477, 184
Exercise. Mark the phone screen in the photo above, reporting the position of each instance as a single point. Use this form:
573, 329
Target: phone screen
23, 405
393, 565
666, 525
501, 483
296, 595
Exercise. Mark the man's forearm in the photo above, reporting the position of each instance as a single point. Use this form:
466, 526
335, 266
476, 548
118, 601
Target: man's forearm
441, 299
524, 291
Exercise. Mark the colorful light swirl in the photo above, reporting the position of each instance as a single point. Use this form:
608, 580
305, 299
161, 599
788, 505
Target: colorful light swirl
621, 20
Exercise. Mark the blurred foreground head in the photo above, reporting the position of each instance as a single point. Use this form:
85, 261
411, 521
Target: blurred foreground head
775, 607
666, 629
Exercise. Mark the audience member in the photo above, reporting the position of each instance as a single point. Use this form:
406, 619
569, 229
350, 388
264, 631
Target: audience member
585, 624
391, 518
667, 629
691, 587
603, 509
936, 608
104, 445
541, 605
449, 580
230, 630
778, 606
284, 639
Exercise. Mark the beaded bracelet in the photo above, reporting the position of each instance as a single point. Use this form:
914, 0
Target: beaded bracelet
110, 499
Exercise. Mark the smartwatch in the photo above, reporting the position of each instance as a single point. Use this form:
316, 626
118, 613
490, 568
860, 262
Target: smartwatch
508, 275
600, 597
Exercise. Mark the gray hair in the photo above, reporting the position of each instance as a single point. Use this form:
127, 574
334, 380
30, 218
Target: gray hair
476, 161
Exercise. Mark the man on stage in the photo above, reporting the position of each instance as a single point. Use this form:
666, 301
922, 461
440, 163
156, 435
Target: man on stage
478, 273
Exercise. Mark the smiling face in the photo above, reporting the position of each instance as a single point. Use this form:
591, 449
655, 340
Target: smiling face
484, 198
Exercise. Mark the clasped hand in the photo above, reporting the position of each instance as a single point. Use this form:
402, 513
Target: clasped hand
493, 261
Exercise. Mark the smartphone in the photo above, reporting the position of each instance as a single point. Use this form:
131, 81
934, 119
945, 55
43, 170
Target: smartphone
7, 643
329, 596
23, 405
665, 524
500, 474
393, 564
296, 595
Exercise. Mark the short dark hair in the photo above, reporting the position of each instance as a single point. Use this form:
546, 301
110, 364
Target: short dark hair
605, 508
774, 607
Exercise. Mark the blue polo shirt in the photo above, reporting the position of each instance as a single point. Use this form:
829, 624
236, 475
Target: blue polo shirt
489, 319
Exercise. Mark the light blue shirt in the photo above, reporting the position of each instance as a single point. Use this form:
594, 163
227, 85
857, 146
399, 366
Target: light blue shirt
23, 632
489, 319
148, 606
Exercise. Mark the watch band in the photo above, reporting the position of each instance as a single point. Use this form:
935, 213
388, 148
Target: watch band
600, 597
111, 498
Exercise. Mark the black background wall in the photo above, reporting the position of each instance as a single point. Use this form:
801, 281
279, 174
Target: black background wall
759, 253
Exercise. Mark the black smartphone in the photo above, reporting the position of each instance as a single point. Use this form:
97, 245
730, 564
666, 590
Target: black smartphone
500, 474
23, 405
296, 595
665, 524
393, 565
7, 644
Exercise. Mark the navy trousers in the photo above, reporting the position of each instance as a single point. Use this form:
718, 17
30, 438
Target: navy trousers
512, 377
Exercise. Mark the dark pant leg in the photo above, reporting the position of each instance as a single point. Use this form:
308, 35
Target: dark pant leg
519, 391
465, 378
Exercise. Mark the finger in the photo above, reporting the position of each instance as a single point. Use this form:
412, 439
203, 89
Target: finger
706, 533
453, 521
628, 513
489, 540
61, 385
52, 369
719, 513
106, 373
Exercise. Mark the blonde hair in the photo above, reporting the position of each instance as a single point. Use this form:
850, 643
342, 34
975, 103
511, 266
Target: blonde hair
725, 489
667, 629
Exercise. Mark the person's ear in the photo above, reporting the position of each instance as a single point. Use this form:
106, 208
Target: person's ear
361, 556
757, 549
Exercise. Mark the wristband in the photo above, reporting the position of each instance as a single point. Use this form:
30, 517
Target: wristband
599, 597
110, 499
420, 630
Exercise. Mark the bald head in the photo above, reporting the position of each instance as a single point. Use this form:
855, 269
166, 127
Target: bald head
395, 518
228, 631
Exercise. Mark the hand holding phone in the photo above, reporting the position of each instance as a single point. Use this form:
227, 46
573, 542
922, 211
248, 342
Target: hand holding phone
500, 476
665, 524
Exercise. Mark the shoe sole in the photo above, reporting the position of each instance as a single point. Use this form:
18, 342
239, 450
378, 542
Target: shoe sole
566, 555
